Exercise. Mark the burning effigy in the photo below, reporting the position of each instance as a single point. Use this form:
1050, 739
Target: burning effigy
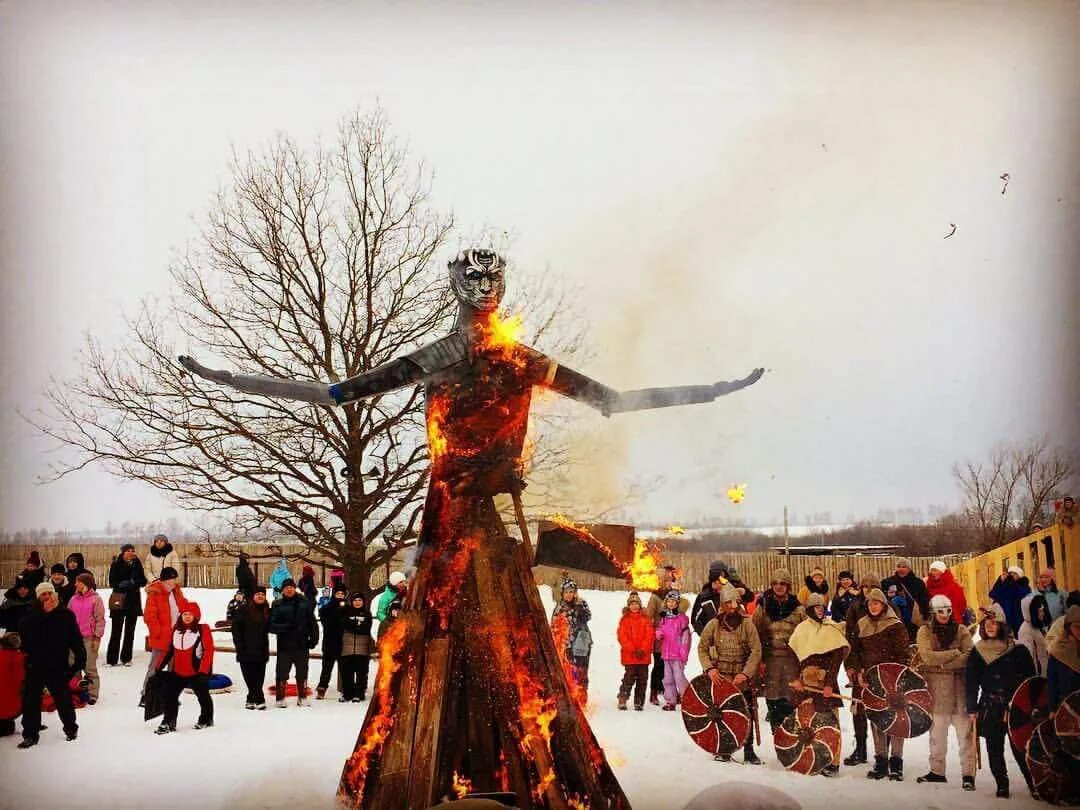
472, 694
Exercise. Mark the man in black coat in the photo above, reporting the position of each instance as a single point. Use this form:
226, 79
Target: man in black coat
251, 637
50, 636
910, 585
245, 577
18, 599
292, 621
707, 604
330, 616
126, 577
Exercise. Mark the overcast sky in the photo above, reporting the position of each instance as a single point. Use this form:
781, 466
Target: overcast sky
729, 185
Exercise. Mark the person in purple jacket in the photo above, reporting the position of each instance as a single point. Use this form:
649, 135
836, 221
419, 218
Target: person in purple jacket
673, 631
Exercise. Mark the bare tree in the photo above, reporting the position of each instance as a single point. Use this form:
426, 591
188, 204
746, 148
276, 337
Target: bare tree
1005, 497
316, 264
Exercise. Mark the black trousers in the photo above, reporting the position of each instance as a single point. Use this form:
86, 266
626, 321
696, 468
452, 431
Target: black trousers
996, 734
633, 679
57, 684
354, 675
123, 624
656, 679
329, 657
287, 658
175, 685
254, 677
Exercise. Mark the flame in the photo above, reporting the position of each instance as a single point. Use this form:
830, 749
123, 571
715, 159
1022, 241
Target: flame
585, 535
577, 803
501, 335
676, 530
436, 414
462, 786
736, 493
378, 729
442, 595
643, 572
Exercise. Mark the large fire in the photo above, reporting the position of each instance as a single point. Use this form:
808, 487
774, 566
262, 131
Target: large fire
642, 573
436, 414
499, 334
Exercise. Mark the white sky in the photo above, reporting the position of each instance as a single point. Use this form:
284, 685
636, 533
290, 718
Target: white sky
730, 184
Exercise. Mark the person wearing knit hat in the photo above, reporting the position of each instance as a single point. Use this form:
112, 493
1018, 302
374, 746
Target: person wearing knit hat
815, 583
847, 592
396, 586
944, 647
356, 649
162, 555
673, 632
1046, 585
707, 603
330, 616
127, 579
297, 631
34, 571
251, 639
192, 663
941, 582
18, 599
730, 648
910, 589
43, 588
777, 616
571, 617
65, 587
667, 579
1008, 591
995, 667
165, 600
880, 638
89, 613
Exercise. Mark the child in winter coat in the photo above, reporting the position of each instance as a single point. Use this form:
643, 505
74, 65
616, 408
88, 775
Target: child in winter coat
355, 649
575, 612
89, 612
12, 676
192, 661
635, 636
674, 635
278, 577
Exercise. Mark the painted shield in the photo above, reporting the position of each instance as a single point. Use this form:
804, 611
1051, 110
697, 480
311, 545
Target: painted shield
1067, 725
716, 716
1053, 772
897, 700
1030, 705
808, 740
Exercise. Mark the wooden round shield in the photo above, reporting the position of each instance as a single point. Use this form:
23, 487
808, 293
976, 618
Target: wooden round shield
1053, 774
808, 740
716, 716
1067, 725
1030, 705
897, 700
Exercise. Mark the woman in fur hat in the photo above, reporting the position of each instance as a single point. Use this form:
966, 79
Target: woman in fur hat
994, 669
944, 647
880, 638
821, 647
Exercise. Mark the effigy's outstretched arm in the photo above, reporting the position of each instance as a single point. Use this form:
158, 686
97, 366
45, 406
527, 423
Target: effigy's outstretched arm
395, 374
608, 401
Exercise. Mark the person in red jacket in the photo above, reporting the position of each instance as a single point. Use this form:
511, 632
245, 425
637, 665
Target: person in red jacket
192, 661
942, 583
12, 675
635, 642
164, 602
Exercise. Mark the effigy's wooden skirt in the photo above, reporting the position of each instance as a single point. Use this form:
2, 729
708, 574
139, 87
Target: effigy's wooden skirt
471, 692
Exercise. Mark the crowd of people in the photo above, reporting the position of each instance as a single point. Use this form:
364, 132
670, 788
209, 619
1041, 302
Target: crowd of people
783, 644
53, 625
788, 646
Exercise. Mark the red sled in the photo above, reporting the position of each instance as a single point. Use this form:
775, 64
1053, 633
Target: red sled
290, 690
79, 697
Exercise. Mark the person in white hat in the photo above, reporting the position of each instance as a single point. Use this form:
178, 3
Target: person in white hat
1009, 591
395, 589
941, 582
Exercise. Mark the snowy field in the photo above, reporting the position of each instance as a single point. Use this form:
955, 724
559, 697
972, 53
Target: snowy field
293, 757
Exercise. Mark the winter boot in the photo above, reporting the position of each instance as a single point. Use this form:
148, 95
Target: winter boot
931, 777
71, 735
858, 756
639, 707
1002, 787
279, 693
969, 783
622, 703
722, 758
896, 769
28, 742
830, 770
165, 728
880, 769
668, 707
204, 724
749, 757
320, 693
654, 697
301, 694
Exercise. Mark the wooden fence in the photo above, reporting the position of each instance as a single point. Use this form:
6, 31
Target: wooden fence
198, 570
198, 567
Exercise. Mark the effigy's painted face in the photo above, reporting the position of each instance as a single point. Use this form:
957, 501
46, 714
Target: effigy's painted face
478, 279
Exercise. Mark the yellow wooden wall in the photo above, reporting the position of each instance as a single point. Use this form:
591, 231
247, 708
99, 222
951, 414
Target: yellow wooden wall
1057, 543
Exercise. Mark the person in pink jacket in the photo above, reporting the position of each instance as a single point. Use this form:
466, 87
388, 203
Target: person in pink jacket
89, 613
673, 632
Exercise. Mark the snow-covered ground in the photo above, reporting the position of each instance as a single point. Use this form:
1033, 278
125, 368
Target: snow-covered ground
286, 758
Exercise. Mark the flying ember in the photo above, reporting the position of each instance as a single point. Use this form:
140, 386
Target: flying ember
736, 493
